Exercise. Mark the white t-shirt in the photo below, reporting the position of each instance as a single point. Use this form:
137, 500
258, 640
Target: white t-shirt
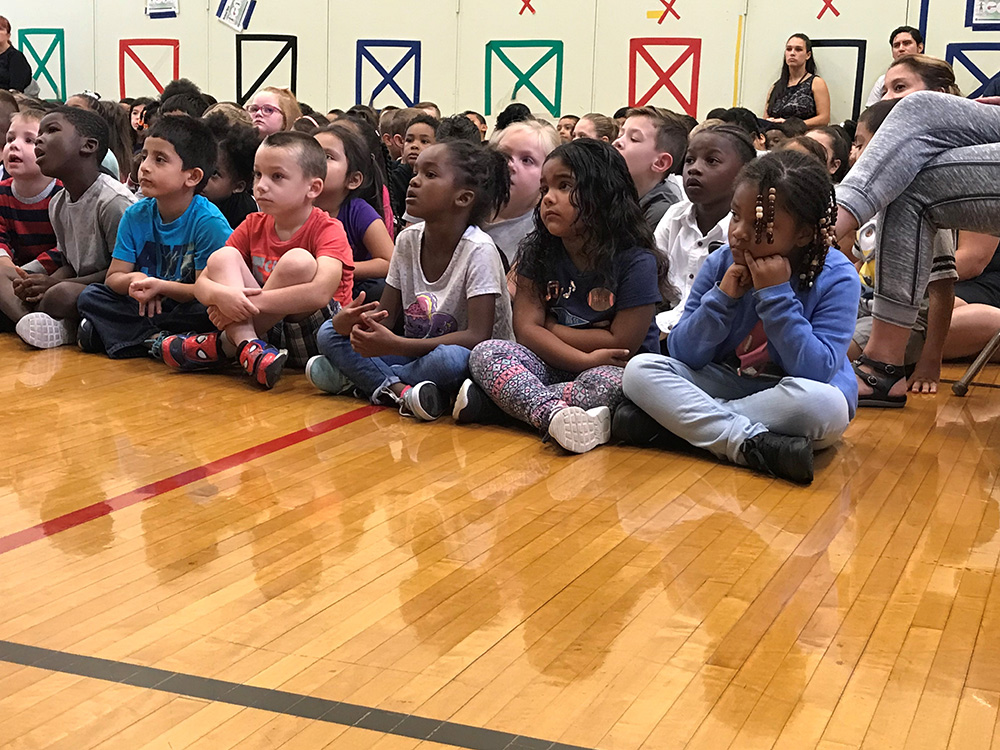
878, 91
686, 248
434, 308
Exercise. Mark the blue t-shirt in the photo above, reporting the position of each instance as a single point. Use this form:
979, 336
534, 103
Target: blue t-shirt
171, 251
356, 216
580, 299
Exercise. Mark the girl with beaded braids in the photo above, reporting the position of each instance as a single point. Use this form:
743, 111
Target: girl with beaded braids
445, 288
758, 371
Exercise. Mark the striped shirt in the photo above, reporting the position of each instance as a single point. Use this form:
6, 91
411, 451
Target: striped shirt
25, 229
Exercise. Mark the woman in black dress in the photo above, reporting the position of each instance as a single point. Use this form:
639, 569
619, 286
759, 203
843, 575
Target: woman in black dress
799, 92
15, 72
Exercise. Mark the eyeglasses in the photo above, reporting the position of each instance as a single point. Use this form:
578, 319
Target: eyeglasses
265, 109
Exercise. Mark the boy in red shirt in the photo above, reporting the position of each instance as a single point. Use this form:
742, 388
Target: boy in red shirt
271, 287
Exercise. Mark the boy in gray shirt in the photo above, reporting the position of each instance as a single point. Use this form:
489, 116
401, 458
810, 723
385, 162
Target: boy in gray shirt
70, 146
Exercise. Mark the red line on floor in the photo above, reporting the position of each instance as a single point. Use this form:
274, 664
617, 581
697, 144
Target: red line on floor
90, 512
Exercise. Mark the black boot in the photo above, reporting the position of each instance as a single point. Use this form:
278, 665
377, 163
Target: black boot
782, 456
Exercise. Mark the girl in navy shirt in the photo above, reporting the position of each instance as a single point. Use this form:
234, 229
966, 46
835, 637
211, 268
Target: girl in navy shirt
758, 370
349, 195
588, 283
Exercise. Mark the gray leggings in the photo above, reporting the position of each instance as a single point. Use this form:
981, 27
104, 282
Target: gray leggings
934, 164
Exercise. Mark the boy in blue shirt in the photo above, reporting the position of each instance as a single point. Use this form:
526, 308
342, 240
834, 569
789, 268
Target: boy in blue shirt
163, 245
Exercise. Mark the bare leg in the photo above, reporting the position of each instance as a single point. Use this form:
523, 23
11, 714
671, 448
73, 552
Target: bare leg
226, 266
886, 344
59, 300
296, 266
972, 327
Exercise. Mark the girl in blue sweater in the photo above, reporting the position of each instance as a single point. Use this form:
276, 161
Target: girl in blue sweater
758, 370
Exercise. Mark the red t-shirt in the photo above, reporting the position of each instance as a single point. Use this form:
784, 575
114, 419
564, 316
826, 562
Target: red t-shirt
321, 235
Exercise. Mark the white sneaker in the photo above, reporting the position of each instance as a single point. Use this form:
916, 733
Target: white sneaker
42, 331
579, 431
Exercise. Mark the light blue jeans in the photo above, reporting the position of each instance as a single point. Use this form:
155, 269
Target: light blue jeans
717, 409
446, 366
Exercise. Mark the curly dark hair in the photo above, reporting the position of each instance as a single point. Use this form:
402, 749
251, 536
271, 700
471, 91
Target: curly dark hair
607, 208
458, 127
483, 170
237, 146
802, 187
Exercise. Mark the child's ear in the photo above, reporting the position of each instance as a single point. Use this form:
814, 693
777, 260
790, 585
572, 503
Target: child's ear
315, 188
805, 235
399, 141
89, 147
239, 187
194, 178
465, 198
355, 180
836, 165
663, 163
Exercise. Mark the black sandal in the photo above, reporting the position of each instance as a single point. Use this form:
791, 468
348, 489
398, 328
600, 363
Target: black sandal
881, 381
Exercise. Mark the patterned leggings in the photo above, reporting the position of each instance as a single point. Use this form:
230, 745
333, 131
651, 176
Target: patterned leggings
526, 388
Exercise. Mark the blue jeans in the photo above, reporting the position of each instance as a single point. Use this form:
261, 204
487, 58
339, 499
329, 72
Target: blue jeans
717, 409
123, 330
446, 366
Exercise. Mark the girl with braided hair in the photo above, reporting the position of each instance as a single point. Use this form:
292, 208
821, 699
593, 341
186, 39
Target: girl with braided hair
445, 290
758, 370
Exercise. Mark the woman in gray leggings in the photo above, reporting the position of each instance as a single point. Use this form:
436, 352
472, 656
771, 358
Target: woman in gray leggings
934, 164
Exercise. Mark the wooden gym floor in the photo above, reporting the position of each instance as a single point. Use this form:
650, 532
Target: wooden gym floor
186, 562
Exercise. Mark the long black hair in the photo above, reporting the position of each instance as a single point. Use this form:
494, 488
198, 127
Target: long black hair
378, 157
607, 205
359, 159
781, 86
797, 183
483, 170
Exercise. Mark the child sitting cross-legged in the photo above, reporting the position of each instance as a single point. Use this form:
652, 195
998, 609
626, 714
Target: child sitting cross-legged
25, 229
85, 218
758, 370
269, 289
445, 282
588, 281
163, 243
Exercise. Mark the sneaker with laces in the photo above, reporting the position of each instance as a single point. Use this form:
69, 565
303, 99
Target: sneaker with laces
781, 456
154, 344
261, 361
324, 375
42, 331
193, 351
88, 339
424, 401
579, 431
472, 405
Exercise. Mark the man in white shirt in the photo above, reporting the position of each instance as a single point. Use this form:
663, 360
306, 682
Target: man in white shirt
905, 40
